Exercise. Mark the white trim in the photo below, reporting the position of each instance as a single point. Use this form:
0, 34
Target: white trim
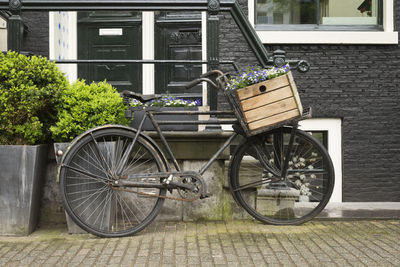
327, 37
388, 36
204, 54
334, 129
148, 52
388, 25
71, 70
3, 34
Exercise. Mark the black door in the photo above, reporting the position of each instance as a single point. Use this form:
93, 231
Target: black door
177, 36
111, 35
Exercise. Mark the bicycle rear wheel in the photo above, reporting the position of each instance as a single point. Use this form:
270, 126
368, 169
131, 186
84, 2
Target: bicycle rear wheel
88, 170
293, 199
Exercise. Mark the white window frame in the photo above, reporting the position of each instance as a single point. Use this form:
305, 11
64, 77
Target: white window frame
387, 36
334, 128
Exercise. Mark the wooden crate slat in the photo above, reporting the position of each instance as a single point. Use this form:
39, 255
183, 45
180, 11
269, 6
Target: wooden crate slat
295, 92
274, 119
254, 90
270, 109
267, 98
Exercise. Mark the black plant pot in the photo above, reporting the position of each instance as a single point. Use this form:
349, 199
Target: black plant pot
138, 114
22, 169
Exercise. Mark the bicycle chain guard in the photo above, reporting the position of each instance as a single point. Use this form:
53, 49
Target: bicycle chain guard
182, 181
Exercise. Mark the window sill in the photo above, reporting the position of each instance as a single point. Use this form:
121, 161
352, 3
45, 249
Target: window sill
327, 37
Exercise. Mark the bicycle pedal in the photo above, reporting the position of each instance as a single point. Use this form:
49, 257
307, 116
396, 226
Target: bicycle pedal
206, 195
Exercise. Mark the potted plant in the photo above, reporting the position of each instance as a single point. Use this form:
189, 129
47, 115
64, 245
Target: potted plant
30, 89
166, 103
81, 108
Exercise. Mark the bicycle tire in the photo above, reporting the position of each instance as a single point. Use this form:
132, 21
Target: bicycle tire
89, 167
310, 177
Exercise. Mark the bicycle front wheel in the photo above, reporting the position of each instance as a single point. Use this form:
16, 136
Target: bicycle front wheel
88, 172
293, 198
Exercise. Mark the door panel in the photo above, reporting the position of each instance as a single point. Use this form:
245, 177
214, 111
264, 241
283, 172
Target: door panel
178, 36
106, 35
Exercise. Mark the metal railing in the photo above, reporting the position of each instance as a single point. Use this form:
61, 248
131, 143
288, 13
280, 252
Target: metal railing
212, 7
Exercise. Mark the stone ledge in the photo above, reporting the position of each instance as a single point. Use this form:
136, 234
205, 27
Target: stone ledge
194, 145
361, 210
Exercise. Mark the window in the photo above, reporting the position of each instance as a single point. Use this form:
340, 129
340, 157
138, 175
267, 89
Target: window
324, 21
329, 132
319, 13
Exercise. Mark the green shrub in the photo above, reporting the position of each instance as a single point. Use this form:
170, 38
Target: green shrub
86, 106
30, 90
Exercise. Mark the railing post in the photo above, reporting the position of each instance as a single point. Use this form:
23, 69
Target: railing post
14, 26
213, 46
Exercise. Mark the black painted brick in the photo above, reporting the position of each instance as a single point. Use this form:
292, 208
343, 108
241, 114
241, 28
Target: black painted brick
36, 39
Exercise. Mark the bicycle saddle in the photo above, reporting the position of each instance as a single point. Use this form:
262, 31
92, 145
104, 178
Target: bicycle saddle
140, 97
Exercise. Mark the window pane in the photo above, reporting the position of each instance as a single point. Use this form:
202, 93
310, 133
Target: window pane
331, 12
345, 12
286, 12
321, 136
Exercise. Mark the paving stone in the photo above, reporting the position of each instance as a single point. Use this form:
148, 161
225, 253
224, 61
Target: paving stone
236, 243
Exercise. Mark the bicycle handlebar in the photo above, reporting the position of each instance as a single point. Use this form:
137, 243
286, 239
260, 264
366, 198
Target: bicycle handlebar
192, 83
301, 66
202, 79
211, 72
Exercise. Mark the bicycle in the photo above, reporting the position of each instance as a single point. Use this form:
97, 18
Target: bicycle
114, 179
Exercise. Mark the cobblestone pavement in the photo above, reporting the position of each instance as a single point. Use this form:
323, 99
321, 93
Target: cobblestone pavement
236, 243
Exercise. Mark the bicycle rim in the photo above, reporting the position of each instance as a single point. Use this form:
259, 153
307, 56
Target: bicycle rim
89, 168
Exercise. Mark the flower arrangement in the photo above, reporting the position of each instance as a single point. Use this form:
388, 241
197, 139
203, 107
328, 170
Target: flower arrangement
168, 101
250, 76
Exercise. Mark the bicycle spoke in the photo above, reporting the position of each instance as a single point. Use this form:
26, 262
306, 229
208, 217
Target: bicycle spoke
93, 176
98, 152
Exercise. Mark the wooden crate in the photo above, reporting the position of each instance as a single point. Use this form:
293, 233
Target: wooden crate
268, 103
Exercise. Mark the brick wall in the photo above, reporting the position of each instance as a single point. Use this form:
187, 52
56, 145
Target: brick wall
359, 84
36, 40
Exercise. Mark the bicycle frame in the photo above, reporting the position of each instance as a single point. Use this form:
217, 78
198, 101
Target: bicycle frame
156, 124
150, 114
221, 79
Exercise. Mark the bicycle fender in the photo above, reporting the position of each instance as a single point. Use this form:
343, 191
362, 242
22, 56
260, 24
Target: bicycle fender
107, 126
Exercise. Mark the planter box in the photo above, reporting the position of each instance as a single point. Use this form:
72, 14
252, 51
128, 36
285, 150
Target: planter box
138, 114
266, 104
22, 170
72, 227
